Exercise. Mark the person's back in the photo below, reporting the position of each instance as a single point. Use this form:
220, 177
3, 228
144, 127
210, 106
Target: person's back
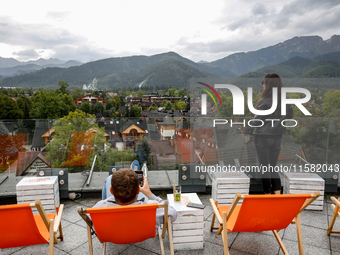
269, 131
125, 188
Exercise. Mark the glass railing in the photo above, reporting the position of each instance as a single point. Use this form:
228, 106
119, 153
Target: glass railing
161, 142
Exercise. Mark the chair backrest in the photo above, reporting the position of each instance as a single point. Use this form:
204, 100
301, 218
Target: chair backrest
268, 212
124, 224
18, 227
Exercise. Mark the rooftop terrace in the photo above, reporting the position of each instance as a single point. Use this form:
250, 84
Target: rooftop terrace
224, 145
314, 227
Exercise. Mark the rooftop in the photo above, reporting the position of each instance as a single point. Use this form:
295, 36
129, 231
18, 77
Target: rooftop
314, 227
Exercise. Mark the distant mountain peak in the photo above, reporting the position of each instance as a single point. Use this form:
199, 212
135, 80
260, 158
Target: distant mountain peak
303, 46
202, 62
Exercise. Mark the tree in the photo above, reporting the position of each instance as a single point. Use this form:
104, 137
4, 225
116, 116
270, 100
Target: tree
104, 95
76, 141
167, 105
111, 103
333, 113
226, 110
143, 150
25, 105
171, 92
85, 107
140, 93
179, 105
320, 140
152, 108
135, 111
75, 93
9, 108
331, 101
49, 105
99, 107
30, 91
63, 85
119, 100
163, 103
182, 93
111, 156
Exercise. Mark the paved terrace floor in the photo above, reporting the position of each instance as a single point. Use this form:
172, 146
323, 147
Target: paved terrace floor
314, 226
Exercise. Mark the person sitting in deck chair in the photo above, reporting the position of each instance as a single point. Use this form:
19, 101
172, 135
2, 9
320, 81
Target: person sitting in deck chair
107, 184
125, 189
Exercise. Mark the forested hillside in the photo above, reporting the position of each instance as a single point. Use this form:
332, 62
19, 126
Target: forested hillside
167, 68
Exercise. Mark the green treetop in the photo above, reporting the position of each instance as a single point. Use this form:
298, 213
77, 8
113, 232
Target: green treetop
76, 125
63, 85
49, 105
9, 108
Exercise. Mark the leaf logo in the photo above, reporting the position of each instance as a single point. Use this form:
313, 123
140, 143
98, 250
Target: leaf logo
204, 97
213, 90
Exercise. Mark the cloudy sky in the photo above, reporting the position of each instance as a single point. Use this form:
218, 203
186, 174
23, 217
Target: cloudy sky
199, 30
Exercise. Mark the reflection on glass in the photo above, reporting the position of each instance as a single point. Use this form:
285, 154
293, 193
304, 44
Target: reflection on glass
162, 142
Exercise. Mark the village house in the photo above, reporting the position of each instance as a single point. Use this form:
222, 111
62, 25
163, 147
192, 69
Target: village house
91, 99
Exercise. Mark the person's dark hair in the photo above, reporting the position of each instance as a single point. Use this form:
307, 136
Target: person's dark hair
272, 80
124, 185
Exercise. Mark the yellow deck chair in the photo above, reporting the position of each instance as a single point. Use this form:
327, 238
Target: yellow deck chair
261, 213
20, 227
126, 224
336, 212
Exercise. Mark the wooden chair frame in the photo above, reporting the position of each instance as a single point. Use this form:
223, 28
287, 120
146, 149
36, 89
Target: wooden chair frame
161, 232
53, 225
222, 221
335, 213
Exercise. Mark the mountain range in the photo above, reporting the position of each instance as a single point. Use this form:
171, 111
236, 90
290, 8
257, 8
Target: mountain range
12, 67
298, 67
304, 46
166, 69
305, 57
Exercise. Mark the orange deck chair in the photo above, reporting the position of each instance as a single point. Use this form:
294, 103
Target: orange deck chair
126, 224
261, 213
20, 227
336, 212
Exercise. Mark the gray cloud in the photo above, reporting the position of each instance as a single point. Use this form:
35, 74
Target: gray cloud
246, 25
303, 6
225, 45
257, 26
298, 12
239, 24
319, 24
82, 53
59, 16
267, 17
259, 9
35, 35
30, 53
